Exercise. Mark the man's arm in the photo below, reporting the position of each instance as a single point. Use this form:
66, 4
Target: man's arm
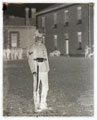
47, 62
31, 60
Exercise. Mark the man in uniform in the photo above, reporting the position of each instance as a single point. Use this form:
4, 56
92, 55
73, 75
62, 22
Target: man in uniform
38, 62
13, 54
8, 51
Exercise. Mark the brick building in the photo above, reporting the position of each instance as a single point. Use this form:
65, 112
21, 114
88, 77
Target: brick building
18, 31
67, 27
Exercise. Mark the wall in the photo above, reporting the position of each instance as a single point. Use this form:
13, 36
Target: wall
25, 35
72, 29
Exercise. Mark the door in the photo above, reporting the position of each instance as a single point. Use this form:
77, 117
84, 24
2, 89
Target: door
67, 47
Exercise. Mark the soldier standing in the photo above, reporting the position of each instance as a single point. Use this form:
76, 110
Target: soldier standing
13, 54
8, 51
20, 53
38, 62
16, 53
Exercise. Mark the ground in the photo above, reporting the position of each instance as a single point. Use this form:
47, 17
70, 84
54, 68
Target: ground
70, 88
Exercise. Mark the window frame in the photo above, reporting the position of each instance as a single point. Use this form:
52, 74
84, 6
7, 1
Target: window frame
79, 37
66, 36
79, 14
55, 41
66, 17
18, 41
55, 15
43, 22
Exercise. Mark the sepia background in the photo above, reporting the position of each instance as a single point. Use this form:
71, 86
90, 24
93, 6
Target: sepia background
68, 30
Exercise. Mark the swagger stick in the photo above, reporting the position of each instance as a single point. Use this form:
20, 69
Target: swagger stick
37, 85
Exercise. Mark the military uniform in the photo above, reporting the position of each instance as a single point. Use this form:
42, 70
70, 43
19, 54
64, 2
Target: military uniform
8, 51
37, 55
13, 54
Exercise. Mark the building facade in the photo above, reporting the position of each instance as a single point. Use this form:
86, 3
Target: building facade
18, 32
67, 27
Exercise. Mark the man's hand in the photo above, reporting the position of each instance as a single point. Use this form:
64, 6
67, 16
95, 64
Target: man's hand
34, 73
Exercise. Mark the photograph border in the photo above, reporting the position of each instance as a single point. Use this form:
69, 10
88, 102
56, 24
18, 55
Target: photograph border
95, 60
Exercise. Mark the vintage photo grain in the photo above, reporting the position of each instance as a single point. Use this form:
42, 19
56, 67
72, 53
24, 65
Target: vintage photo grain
48, 59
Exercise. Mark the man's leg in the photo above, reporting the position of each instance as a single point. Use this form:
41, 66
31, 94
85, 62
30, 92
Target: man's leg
45, 87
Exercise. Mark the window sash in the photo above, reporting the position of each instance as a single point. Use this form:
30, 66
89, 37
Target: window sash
79, 36
14, 39
55, 18
79, 13
43, 22
66, 16
44, 39
55, 41
66, 36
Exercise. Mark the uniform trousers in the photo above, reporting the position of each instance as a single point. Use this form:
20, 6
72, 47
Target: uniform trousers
40, 99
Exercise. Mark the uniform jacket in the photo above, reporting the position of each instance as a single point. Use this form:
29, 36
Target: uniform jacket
38, 51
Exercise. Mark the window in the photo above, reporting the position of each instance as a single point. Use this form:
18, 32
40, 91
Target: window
43, 22
79, 15
43, 39
55, 41
55, 20
66, 18
67, 43
79, 34
14, 39
66, 36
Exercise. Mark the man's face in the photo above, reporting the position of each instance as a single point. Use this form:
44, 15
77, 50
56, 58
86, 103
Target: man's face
39, 39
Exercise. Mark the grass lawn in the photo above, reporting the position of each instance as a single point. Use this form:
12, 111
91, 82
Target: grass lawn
70, 83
